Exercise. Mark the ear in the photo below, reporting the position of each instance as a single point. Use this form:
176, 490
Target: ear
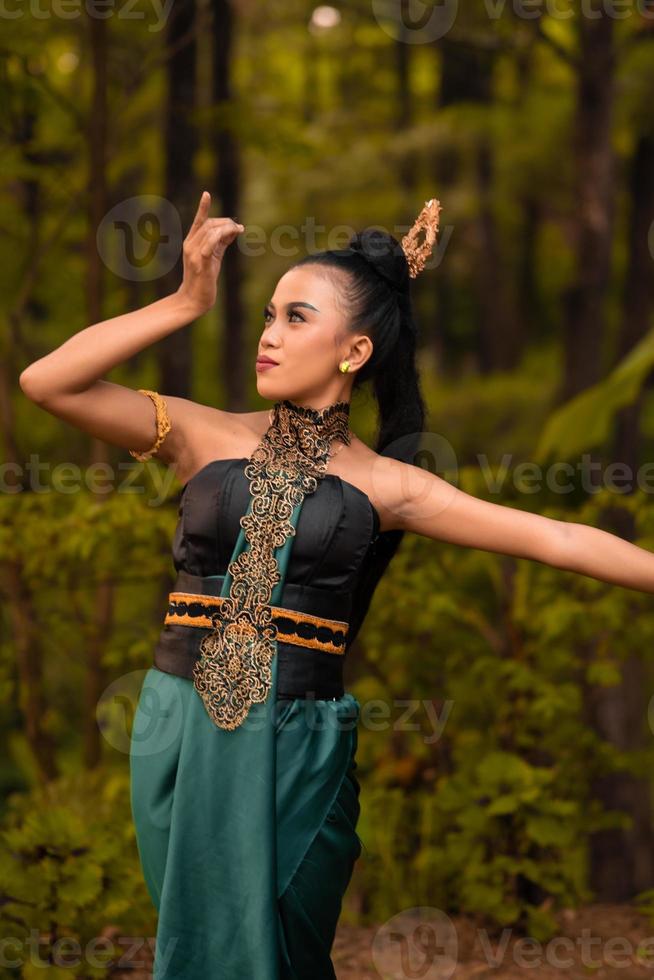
360, 351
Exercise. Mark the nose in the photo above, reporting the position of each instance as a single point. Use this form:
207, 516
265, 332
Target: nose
269, 341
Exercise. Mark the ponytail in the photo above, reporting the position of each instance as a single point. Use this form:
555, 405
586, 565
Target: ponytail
374, 275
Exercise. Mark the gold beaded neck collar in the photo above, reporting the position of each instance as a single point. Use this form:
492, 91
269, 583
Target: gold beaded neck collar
234, 670
308, 431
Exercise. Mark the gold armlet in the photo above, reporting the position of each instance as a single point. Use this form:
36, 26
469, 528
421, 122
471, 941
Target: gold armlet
163, 425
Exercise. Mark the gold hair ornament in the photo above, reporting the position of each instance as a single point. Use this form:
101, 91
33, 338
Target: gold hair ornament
427, 221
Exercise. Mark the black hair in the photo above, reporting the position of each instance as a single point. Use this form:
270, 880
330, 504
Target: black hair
372, 276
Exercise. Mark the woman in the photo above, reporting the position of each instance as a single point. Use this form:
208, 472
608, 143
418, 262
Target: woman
244, 791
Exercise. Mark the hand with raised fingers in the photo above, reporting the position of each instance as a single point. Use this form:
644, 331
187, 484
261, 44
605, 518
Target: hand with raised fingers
203, 251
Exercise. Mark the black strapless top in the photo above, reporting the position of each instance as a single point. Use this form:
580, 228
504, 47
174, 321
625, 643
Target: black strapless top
337, 526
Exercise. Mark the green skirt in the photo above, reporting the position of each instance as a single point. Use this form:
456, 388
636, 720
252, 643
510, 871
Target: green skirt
247, 837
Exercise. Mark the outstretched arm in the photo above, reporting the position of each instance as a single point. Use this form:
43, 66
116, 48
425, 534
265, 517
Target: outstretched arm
419, 501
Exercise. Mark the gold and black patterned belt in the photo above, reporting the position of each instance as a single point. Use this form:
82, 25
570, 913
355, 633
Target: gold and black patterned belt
299, 628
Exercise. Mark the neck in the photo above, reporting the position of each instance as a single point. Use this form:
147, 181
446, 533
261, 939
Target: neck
318, 409
308, 422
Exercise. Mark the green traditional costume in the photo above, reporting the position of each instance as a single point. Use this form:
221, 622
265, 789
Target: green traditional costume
243, 785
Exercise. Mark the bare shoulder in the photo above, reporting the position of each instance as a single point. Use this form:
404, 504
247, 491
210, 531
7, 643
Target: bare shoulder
398, 490
415, 499
201, 433
375, 475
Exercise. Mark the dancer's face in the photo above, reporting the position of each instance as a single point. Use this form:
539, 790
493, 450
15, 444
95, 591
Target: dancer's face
305, 332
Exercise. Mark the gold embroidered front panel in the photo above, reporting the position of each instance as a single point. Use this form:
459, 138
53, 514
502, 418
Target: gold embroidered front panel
234, 670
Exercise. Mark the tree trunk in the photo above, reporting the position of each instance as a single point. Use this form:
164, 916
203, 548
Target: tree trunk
584, 301
97, 208
638, 294
27, 640
622, 861
467, 76
408, 172
180, 184
228, 181
445, 165
498, 345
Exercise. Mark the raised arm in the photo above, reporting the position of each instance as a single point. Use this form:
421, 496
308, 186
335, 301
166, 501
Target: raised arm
419, 501
66, 382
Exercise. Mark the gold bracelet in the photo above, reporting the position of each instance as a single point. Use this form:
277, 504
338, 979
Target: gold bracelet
163, 425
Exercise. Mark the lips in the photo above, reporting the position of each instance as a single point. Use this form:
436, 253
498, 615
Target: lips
265, 360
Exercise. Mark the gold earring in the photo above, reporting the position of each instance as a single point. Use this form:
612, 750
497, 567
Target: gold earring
344, 366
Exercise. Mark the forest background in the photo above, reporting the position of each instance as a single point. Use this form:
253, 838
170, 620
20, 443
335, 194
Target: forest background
533, 124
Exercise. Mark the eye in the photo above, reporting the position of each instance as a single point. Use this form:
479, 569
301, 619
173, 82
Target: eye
268, 313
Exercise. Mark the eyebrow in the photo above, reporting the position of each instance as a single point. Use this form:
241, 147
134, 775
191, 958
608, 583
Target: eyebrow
299, 303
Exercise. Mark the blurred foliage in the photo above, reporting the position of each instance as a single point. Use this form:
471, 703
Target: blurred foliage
586, 421
68, 543
68, 867
477, 769
480, 800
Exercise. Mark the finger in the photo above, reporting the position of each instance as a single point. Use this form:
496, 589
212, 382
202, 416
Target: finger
201, 213
219, 222
211, 225
210, 238
212, 243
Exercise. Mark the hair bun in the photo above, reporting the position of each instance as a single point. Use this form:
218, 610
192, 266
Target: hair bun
385, 254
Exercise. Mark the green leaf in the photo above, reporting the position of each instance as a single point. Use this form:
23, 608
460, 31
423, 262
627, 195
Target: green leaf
548, 831
604, 673
508, 803
585, 420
